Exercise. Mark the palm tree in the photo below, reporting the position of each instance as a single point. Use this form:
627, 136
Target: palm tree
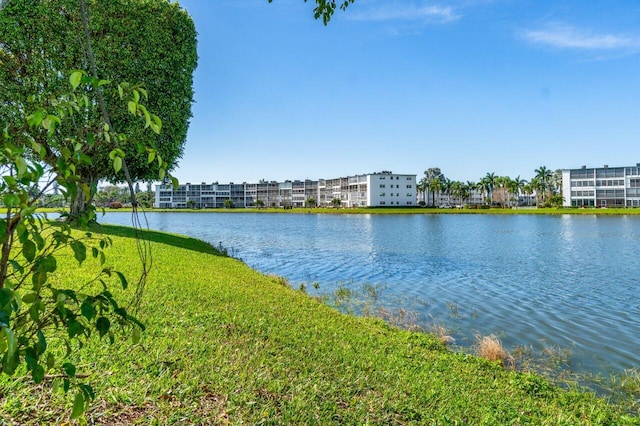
528, 190
336, 202
470, 186
259, 203
544, 176
421, 187
518, 185
446, 188
456, 190
310, 202
490, 179
434, 187
538, 188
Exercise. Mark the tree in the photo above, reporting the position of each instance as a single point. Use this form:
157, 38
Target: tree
39, 308
446, 187
543, 178
500, 192
421, 187
259, 203
228, 203
336, 202
434, 187
488, 183
518, 187
430, 175
325, 8
310, 202
146, 199
42, 43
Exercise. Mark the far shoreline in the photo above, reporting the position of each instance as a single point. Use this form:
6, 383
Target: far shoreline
555, 211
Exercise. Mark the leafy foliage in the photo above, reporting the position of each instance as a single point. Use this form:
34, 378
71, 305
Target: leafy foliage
150, 42
325, 8
38, 307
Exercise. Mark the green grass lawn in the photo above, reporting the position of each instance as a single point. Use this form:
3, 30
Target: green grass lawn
227, 345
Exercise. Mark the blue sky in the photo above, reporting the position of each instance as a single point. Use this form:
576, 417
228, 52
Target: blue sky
470, 86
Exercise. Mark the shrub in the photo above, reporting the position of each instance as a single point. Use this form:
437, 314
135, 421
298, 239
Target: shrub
115, 205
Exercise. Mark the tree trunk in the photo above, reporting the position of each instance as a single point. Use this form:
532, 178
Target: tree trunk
80, 204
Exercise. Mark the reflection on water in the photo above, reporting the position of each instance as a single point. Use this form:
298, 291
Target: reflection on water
568, 281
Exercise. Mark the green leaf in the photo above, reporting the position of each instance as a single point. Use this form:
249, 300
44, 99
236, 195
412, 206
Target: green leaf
29, 250
174, 182
41, 346
79, 251
51, 360
69, 369
117, 164
47, 264
74, 328
152, 155
132, 107
136, 335
29, 298
123, 280
21, 166
157, 121
38, 279
88, 391
75, 78
11, 200
103, 325
87, 309
36, 118
12, 343
78, 406
37, 373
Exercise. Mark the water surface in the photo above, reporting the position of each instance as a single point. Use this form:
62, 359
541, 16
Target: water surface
565, 281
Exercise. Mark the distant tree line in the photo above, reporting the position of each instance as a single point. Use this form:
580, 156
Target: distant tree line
544, 189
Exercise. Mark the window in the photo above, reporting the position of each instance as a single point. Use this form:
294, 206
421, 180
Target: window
409, 194
397, 195
382, 185
409, 203
408, 186
382, 202
408, 178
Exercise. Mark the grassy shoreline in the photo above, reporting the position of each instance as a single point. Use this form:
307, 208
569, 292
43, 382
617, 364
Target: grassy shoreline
226, 344
390, 211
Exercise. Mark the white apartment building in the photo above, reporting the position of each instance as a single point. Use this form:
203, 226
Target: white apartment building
601, 187
383, 189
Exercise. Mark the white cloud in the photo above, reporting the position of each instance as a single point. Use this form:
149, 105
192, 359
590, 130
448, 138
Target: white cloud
568, 37
409, 13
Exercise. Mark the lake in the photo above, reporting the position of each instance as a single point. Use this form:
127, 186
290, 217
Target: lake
568, 282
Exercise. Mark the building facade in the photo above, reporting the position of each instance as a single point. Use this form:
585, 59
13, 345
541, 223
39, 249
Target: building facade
602, 187
368, 190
